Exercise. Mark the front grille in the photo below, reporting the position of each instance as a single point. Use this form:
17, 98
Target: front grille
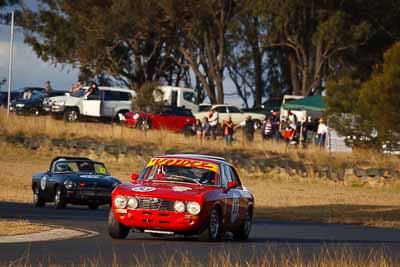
149, 203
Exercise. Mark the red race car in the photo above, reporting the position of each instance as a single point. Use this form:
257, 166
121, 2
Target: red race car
186, 195
175, 119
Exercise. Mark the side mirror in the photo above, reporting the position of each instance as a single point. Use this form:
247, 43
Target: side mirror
231, 185
134, 177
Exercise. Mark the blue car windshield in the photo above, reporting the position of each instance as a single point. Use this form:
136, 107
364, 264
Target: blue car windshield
82, 166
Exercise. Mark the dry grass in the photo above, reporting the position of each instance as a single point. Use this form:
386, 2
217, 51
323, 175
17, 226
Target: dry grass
45, 125
272, 257
18, 227
276, 198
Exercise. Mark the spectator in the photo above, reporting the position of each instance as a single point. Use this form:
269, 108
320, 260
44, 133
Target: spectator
76, 88
322, 131
227, 126
27, 94
197, 128
266, 129
289, 131
47, 87
93, 89
249, 127
292, 117
308, 130
275, 126
205, 128
213, 118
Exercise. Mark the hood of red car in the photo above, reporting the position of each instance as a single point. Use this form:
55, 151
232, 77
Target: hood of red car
164, 189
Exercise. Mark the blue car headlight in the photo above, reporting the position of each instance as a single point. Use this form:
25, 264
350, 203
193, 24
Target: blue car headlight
69, 184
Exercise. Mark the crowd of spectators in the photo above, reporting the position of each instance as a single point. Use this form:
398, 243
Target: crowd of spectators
291, 131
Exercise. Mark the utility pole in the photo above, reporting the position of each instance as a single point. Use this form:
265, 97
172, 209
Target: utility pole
10, 64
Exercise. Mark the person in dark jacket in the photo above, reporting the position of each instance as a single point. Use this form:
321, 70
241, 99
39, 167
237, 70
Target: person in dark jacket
249, 126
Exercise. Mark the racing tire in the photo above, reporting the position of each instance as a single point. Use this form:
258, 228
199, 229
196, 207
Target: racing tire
245, 228
115, 228
37, 200
93, 206
71, 115
212, 230
59, 199
35, 112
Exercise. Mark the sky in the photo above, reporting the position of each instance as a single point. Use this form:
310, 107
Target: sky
28, 69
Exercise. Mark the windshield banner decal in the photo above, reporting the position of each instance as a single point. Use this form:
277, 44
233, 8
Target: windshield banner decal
185, 163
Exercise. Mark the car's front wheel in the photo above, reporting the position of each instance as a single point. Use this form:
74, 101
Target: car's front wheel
212, 230
71, 115
35, 111
115, 228
37, 200
245, 228
59, 199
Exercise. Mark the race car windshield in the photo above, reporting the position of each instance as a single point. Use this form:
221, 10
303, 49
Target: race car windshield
80, 166
181, 174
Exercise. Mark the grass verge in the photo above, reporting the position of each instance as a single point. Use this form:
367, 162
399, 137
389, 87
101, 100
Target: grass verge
19, 227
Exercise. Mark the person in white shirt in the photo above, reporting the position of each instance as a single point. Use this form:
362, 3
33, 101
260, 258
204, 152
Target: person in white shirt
213, 120
322, 132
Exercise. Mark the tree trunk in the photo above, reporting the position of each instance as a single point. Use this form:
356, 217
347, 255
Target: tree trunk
294, 77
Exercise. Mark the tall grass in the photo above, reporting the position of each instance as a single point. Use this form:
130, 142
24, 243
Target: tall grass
165, 140
272, 256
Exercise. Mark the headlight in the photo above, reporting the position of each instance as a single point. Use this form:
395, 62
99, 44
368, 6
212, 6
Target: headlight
179, 206
136, 116
20, 105
69, 184
193, 208
120, 202
133, 203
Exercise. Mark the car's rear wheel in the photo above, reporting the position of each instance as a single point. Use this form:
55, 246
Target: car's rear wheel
59, 199
212, 230
37, 200
93, 206
71, 115
245, 228
115, 228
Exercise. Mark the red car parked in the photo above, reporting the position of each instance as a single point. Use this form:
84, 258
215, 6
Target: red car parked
183, 194
175, 119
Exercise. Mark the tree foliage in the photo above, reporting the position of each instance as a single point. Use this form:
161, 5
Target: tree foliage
370, 108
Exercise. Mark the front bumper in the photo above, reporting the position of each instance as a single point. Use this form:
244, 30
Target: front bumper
142, 219
57, 109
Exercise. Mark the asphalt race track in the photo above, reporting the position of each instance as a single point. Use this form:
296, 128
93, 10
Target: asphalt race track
282, 237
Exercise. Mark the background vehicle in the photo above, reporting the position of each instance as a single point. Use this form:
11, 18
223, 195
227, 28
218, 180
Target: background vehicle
108, 103
183, 194
34, 104
236, 113
285, 113
180, 97
170, 118
73, 180
17, 94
